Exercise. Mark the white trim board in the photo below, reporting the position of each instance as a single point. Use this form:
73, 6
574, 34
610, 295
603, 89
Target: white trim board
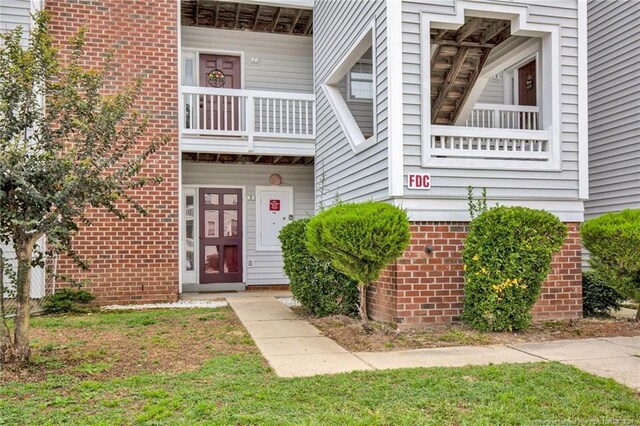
364, 42
395, 98
583, 103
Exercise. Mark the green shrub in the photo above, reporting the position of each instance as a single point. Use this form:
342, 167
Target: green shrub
613, 240
598, 299
507, 256
316, 284
67, 300
359, 239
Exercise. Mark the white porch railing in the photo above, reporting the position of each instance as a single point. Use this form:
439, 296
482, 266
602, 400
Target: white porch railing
504, 117
246, 113
476, 142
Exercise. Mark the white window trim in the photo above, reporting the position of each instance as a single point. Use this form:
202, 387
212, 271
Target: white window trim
351, 98
259, 191
339, 105
549, 81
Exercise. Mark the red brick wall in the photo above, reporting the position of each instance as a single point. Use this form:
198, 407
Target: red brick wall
424, 288
135, 260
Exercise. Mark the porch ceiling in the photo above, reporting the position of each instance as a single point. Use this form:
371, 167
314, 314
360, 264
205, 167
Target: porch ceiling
247, 158
245, 16
457, 61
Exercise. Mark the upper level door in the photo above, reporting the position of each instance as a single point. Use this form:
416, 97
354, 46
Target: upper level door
527, 84
219, 112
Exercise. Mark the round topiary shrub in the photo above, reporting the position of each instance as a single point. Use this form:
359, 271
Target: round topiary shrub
316, 284
507, 256
598, 299
613, 240
359, 239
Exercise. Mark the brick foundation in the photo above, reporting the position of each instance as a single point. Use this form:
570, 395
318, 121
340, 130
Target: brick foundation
136, 260
427, 288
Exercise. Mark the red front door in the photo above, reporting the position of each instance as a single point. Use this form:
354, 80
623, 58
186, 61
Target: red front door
527, 84
220, 112
220, 235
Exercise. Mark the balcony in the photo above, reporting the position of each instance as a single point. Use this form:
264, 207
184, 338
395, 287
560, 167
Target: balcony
247, 121
494, 131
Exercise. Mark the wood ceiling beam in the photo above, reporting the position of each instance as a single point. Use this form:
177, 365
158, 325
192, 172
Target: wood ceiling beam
255, 18
493, 30
472, 81
470, 27
197, 12
275, 20
465, 44
309, 24
217, 157
275, 160
308, 161
434, 57
295, 160
449, 79
215, 22
295, 21
441, 34
235, 22
258, 157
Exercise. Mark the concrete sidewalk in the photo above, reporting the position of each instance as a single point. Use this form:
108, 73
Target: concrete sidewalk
295, 348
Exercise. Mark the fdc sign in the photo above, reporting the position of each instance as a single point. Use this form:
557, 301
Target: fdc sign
419, 181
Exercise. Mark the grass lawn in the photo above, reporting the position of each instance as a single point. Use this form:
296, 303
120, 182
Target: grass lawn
199, 367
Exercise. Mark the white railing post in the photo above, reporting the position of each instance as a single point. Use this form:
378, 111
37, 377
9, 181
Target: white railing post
250, 124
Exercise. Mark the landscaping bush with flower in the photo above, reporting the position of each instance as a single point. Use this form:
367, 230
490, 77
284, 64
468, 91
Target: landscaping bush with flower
507, 256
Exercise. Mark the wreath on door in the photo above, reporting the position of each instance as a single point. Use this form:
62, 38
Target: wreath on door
216, 78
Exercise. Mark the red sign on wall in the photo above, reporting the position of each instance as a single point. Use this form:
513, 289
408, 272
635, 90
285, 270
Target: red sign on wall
419, 181
274, 205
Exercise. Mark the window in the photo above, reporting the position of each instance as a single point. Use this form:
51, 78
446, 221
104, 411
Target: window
361, 81
350, 90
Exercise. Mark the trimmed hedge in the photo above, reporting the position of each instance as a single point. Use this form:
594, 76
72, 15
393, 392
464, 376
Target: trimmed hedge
67, 300
507, 256
359, 239
613, 240
316, 284
598, 299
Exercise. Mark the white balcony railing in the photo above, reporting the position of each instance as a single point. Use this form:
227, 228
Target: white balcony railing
247, 114
498, 116
490, 143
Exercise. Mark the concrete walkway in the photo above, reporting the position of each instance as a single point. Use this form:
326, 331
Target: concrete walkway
295, 348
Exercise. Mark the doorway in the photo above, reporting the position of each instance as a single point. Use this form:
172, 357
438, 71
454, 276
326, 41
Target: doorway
220, 211
220, 112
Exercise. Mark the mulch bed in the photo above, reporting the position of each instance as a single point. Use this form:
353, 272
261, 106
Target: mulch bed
349, 333
158, 343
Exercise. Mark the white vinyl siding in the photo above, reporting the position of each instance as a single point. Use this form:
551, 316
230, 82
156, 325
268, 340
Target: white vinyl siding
284, 62
493, 92
14, 13
557, 191
267, 265
339, 171
614, 106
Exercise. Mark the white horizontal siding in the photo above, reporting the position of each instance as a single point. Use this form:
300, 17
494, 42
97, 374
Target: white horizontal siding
267, 265
542, 189
493, 92
285, 62
14, 13
339, 171
614, 106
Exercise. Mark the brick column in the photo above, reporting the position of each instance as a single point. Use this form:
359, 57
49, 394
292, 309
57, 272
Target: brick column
135, 260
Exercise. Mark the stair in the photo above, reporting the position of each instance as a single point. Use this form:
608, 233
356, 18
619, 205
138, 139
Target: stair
458, 60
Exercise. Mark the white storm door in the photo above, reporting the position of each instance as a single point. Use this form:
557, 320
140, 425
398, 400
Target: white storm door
275, 210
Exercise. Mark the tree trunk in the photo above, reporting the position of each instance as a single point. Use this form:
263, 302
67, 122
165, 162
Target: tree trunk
362, 307
638, 313
22, 349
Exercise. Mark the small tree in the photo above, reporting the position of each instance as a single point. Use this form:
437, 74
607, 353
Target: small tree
360, 240
65, 147
613, 240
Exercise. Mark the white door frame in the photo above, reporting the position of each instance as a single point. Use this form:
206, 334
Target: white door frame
259, 191
196, 254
